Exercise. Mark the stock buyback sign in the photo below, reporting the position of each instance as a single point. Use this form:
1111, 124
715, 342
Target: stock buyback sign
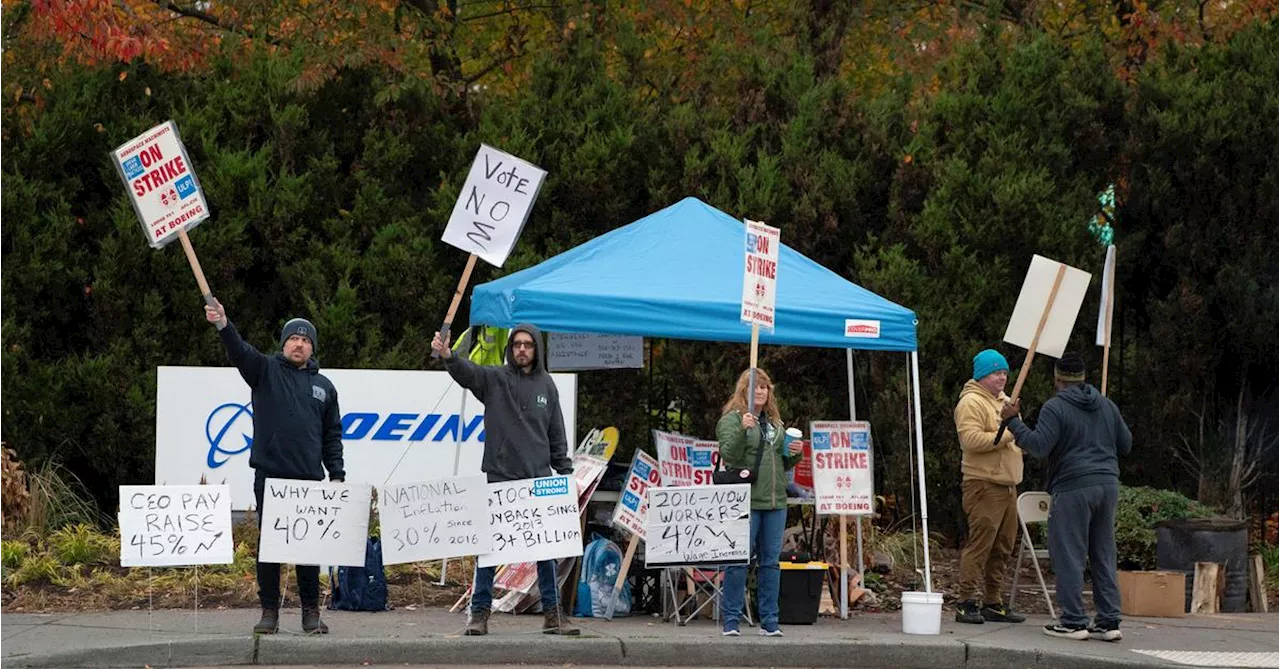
399, 424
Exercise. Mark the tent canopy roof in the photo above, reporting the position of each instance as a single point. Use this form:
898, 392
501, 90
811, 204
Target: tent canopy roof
678, 274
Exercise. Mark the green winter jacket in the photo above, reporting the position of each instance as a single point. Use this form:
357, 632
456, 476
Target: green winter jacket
738, 450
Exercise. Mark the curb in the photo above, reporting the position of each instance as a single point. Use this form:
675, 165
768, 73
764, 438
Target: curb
914, 653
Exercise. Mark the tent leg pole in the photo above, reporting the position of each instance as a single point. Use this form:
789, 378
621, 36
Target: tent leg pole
924, 504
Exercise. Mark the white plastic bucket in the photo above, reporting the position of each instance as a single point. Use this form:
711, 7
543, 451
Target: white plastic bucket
922, 613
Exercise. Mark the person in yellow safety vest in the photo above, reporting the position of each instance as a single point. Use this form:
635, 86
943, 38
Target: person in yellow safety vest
489, 345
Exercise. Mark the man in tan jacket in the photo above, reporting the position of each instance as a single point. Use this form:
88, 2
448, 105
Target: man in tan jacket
992, 472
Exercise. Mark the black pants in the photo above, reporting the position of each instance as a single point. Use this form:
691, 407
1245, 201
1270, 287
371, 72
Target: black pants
269, 572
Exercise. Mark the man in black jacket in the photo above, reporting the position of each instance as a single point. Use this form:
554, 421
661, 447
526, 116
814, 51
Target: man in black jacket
297, 434
524, 438
1079, 434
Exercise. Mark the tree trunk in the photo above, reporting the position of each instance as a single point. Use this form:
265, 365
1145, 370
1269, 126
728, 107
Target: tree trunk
1239, 454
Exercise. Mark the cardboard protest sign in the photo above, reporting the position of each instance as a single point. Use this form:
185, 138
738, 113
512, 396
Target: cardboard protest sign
161, 183
436, 519
579, 351
532, 520
173, 526
313, 522
760, 278
842, 481
519, 578
494, 205
632, 510
698, 526
685, 460
1025, 328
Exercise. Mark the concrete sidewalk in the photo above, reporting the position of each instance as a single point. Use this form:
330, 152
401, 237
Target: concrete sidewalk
170, 639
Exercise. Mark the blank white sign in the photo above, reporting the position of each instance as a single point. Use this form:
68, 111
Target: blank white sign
1031, 302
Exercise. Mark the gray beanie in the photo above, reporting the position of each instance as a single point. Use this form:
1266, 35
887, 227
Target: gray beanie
299, 326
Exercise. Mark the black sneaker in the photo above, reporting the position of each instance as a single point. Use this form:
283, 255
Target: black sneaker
1061, 631
999, 613
967, 612
1105, 631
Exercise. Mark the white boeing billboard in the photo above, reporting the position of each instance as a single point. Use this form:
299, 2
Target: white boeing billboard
398, 426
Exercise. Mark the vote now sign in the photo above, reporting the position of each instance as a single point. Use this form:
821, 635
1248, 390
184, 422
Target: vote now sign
162, 185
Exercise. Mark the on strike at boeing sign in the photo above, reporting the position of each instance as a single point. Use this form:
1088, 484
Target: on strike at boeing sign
162, 185
311, 522
430, 520
494, 205
398, 426
632, 511
842, 482
533, 520
686, 460
760, 280
173, 526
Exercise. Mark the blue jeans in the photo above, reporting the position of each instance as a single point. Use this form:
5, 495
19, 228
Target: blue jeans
766, 546
482, 591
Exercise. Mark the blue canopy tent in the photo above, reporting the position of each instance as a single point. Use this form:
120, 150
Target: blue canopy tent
677, 273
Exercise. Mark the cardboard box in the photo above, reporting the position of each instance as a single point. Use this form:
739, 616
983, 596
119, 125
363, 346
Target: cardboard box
1156, 594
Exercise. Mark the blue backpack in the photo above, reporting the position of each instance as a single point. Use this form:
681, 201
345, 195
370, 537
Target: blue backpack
361, 588
601, 563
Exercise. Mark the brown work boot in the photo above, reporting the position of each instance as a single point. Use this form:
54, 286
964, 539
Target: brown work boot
478, 624
311, 623
555, 622
269, 623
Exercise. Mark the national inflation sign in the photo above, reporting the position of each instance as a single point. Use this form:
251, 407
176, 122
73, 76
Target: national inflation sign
161, 182
760, 278
175, 525
436, 519
494, 205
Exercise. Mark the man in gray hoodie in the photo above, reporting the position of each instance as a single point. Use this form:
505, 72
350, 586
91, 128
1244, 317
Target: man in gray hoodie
1079, 434
524, 439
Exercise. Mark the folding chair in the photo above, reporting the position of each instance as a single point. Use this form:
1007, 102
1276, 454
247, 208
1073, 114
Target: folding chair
708, 582
1033, 507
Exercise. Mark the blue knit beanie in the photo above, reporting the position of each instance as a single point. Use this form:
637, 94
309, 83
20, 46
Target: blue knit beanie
988, 362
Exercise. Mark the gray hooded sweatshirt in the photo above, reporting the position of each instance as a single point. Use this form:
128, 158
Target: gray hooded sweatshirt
1080, 435
524, 427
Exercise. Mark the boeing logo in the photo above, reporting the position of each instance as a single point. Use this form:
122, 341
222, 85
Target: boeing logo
226, 416
356, 426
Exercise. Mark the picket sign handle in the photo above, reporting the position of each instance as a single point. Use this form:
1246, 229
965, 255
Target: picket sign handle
622, 576
1106, 344
457, 299
195, 266
1035, 341
755, 352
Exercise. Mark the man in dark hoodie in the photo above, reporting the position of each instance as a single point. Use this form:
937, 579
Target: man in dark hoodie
297, 434
524, 439
1079, 434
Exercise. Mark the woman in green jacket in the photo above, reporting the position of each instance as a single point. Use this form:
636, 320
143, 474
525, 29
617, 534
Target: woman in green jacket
741, 435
